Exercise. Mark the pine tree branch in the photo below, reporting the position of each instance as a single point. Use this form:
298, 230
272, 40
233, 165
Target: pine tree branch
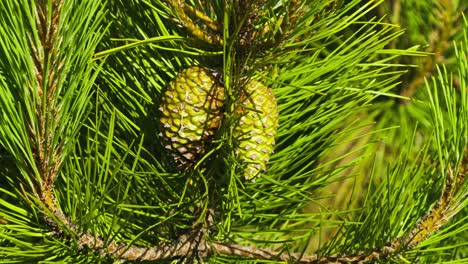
444, 210
438, 45
48, 67
194, 244
49, 115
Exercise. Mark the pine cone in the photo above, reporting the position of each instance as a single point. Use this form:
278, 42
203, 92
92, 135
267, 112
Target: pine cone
257, 128
191, 112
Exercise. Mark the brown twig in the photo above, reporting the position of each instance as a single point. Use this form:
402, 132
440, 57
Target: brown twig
194, 244
186, 246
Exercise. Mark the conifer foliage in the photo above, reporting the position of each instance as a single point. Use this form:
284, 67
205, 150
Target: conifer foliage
217, 131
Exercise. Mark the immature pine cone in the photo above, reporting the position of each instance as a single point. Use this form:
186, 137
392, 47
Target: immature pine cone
256, 131
191, 112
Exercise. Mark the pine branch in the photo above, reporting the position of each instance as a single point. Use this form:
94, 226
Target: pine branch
53, 86
445, 209
439, 44
194, 244
317, 87
49, 65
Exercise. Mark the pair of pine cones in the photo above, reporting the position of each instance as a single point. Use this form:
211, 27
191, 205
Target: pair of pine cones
192, 110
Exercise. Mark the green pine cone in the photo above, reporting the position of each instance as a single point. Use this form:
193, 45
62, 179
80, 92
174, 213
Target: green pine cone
191, 112
256, 131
